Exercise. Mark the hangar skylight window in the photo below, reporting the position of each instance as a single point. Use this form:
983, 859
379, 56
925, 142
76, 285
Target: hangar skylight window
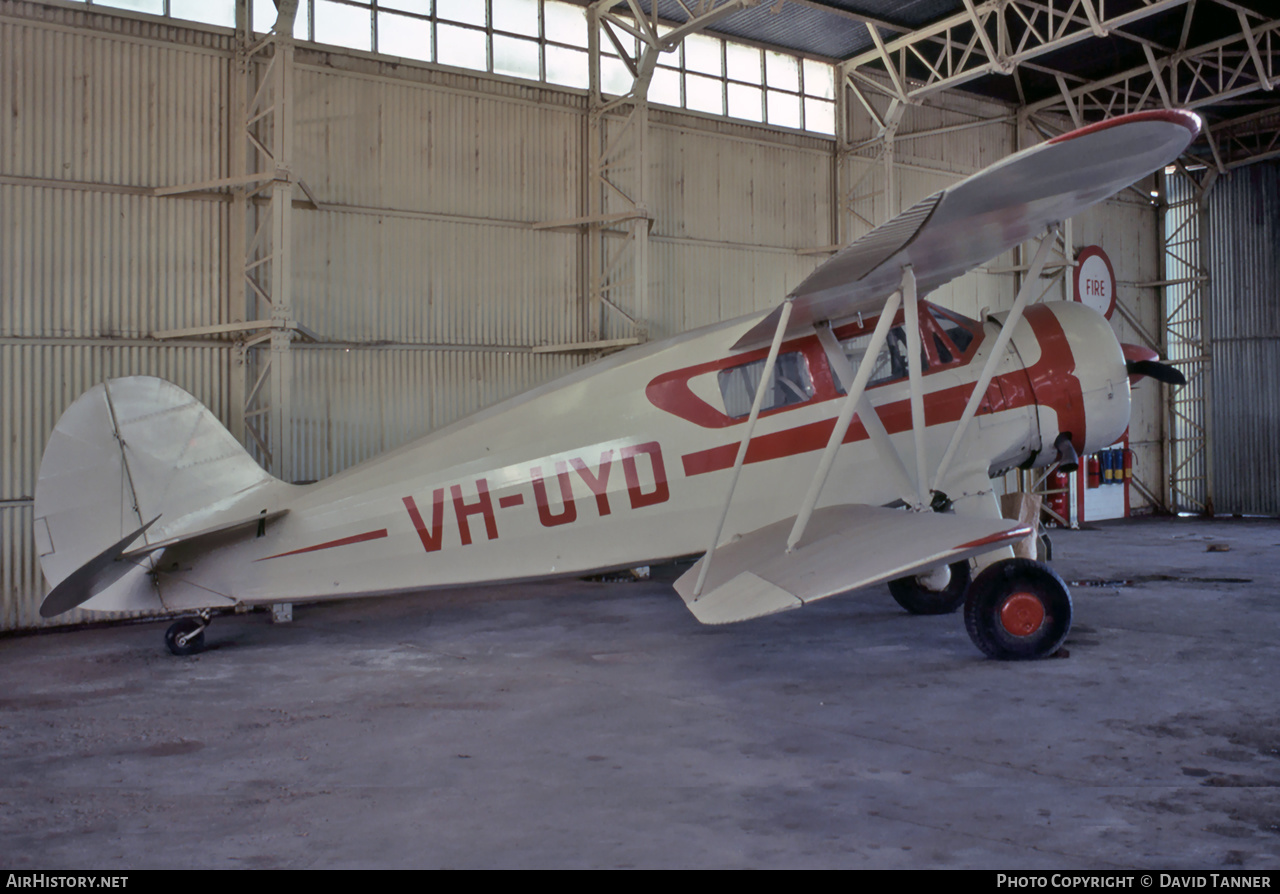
546, 40
720, 77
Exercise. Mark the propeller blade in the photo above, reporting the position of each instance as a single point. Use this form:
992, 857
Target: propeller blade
1161, 372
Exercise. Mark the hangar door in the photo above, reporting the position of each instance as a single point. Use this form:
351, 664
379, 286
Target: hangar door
1243, 322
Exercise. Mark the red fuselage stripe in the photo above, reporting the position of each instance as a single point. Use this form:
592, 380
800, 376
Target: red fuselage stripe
344, 541
1050, 382
940, 407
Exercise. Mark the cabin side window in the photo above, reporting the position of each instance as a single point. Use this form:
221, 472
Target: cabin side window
891, 363
959, 334
790, 384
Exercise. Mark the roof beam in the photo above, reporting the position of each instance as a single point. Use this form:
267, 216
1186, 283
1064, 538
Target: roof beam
1210, 73
1246, 139
961, 50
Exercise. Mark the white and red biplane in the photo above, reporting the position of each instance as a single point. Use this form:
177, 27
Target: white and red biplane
866, 454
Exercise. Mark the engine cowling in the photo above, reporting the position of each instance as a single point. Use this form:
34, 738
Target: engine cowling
1076, 369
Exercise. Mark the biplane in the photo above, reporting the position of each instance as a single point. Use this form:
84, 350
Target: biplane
846, 438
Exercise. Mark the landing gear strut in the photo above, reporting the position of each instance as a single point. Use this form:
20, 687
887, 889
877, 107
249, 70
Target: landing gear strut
938, 592
1017, 609
185, 636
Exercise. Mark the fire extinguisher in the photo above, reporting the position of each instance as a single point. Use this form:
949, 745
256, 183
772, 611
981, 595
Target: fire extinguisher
1060, 500
1094, 467
1128, 465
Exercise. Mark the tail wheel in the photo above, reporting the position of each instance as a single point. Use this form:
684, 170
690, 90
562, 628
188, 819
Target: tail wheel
1017, 609
917, 596
185, 636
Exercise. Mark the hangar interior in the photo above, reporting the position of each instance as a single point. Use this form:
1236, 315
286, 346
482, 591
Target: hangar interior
345, 224
347, 233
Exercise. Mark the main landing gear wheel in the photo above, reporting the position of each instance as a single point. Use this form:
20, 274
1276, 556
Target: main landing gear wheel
933, 593
1017, 609
186, 636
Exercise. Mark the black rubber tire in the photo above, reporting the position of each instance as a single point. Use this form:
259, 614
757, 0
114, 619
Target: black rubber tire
994, 587
193, 645
908, 593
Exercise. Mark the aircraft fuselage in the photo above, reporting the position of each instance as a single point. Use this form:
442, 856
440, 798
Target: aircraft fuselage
626, 461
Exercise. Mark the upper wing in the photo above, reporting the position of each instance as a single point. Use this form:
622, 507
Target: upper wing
984, 215
845, 547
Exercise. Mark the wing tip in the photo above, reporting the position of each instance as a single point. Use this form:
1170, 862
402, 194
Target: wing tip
1184, 117
999, 538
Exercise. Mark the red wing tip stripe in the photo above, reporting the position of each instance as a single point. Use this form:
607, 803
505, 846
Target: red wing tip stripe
999, 537
344, 541
1190, 120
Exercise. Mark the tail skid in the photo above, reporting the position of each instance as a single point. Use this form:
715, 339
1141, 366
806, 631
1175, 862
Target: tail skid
135, 466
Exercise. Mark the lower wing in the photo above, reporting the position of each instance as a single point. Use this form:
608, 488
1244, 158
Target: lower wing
845, 547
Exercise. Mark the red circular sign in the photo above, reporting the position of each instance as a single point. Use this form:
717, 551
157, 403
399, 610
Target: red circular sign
1096, 280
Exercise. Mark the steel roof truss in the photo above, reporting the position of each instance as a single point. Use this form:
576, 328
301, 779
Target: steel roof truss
967, 51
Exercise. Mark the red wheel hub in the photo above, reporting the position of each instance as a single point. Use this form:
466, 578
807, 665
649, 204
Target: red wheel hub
1022, 614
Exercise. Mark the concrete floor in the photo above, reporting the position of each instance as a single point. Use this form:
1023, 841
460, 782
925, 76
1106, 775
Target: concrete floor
578, 724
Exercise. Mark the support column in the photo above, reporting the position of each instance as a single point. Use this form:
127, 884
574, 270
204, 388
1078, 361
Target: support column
892, 206
281, 424
618, 158
261, 289
1206, 335
841, 231
237, 310
617, 181
886, 114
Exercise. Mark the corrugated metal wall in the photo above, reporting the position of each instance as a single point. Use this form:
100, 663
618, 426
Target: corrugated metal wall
420, 271
90, 262
1243, 319
39, 378
424, 244
925, 162
732, 208
350, 405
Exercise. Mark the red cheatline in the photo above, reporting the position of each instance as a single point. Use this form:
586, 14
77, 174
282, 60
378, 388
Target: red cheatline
355, 538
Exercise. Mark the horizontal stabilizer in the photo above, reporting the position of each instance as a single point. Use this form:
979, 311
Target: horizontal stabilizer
117, 560
92, 577
844, 547
225, 527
